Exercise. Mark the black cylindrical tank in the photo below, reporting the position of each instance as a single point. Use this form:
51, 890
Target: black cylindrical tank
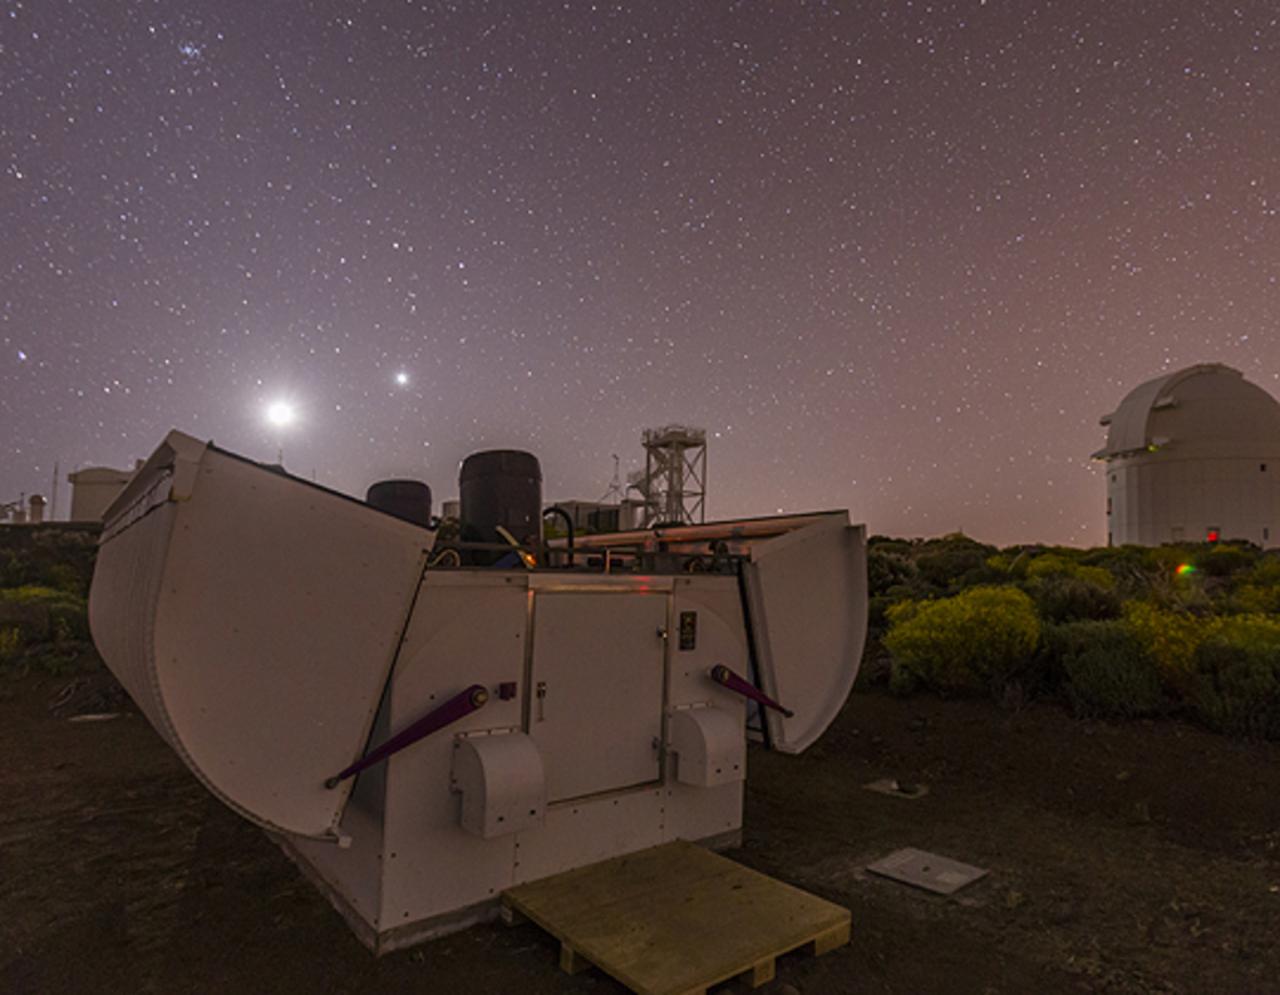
407, 499
500, 487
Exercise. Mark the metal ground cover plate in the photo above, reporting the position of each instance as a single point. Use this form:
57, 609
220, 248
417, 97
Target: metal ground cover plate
898, 789
927, 870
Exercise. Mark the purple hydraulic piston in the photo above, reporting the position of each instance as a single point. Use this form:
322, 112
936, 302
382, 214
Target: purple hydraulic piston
723, 675
457, 707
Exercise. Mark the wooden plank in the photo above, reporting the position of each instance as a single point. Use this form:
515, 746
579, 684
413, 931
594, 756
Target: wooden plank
571, 962
678, 918
762, 973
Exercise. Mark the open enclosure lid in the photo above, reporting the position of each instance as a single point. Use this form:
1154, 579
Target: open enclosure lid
805, 580
807, 595
254, 618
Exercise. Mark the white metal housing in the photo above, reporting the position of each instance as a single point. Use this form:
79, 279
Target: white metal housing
274, 632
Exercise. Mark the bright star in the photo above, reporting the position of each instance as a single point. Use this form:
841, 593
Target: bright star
280, 413
402, 378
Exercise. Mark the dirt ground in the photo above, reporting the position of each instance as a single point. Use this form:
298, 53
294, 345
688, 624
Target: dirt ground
1124, 858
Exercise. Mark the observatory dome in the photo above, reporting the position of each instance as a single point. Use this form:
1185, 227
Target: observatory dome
1193, 455
1208, 408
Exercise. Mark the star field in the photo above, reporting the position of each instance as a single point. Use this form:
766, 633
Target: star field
896, 257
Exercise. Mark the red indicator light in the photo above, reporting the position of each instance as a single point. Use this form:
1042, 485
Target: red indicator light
1213, 535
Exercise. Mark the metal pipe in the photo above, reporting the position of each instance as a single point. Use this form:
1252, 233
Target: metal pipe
745, 528
727, 678
457, 707
555, 509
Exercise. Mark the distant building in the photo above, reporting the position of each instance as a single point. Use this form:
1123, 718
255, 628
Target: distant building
595, 516
94, 488
1193, 456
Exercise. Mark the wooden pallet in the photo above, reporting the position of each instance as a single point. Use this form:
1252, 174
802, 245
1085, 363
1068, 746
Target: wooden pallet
677, 919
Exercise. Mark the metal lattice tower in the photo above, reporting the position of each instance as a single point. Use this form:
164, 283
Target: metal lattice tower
673, 487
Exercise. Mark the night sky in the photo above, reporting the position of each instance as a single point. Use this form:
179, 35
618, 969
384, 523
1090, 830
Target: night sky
896, 257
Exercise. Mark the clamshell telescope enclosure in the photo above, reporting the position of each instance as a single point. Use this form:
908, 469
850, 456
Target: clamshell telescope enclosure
420, 731
1193, 456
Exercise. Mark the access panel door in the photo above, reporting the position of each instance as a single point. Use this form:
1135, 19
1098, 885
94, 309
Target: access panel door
596, 689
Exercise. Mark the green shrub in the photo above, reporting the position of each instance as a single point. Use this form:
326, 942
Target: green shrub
886, 544
1125, 685
1258, 591
1238, 671
1060, 642
1169, 639
878, 614
66, 578
68, 624
951, 569
954, 561
1067, 598
42, 626
36, 594
975, 641
1104, 671
1223, 561
887, 569
1252, 598
10, 643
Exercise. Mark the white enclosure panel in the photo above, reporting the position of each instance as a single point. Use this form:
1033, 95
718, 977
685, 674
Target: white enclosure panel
254, 617
583, 832
467, 628
808, 593
720, 638
353, 871
698, 813
596, 711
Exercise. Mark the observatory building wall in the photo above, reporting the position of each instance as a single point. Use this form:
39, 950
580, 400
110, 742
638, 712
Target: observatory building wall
1194, 456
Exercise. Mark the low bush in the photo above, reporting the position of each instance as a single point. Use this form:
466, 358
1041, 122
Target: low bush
887, 569
1104, 672
1238, 677
42, 627
1223, 561
973, 642
954, 562
1068, 598
1251, 598
36, 594
10, 643
1170, 639
1113, 631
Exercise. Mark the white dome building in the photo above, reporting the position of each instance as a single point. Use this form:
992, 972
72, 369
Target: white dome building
1193, 456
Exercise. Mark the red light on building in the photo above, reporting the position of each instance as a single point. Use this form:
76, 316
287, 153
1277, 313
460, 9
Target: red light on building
1212, 535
